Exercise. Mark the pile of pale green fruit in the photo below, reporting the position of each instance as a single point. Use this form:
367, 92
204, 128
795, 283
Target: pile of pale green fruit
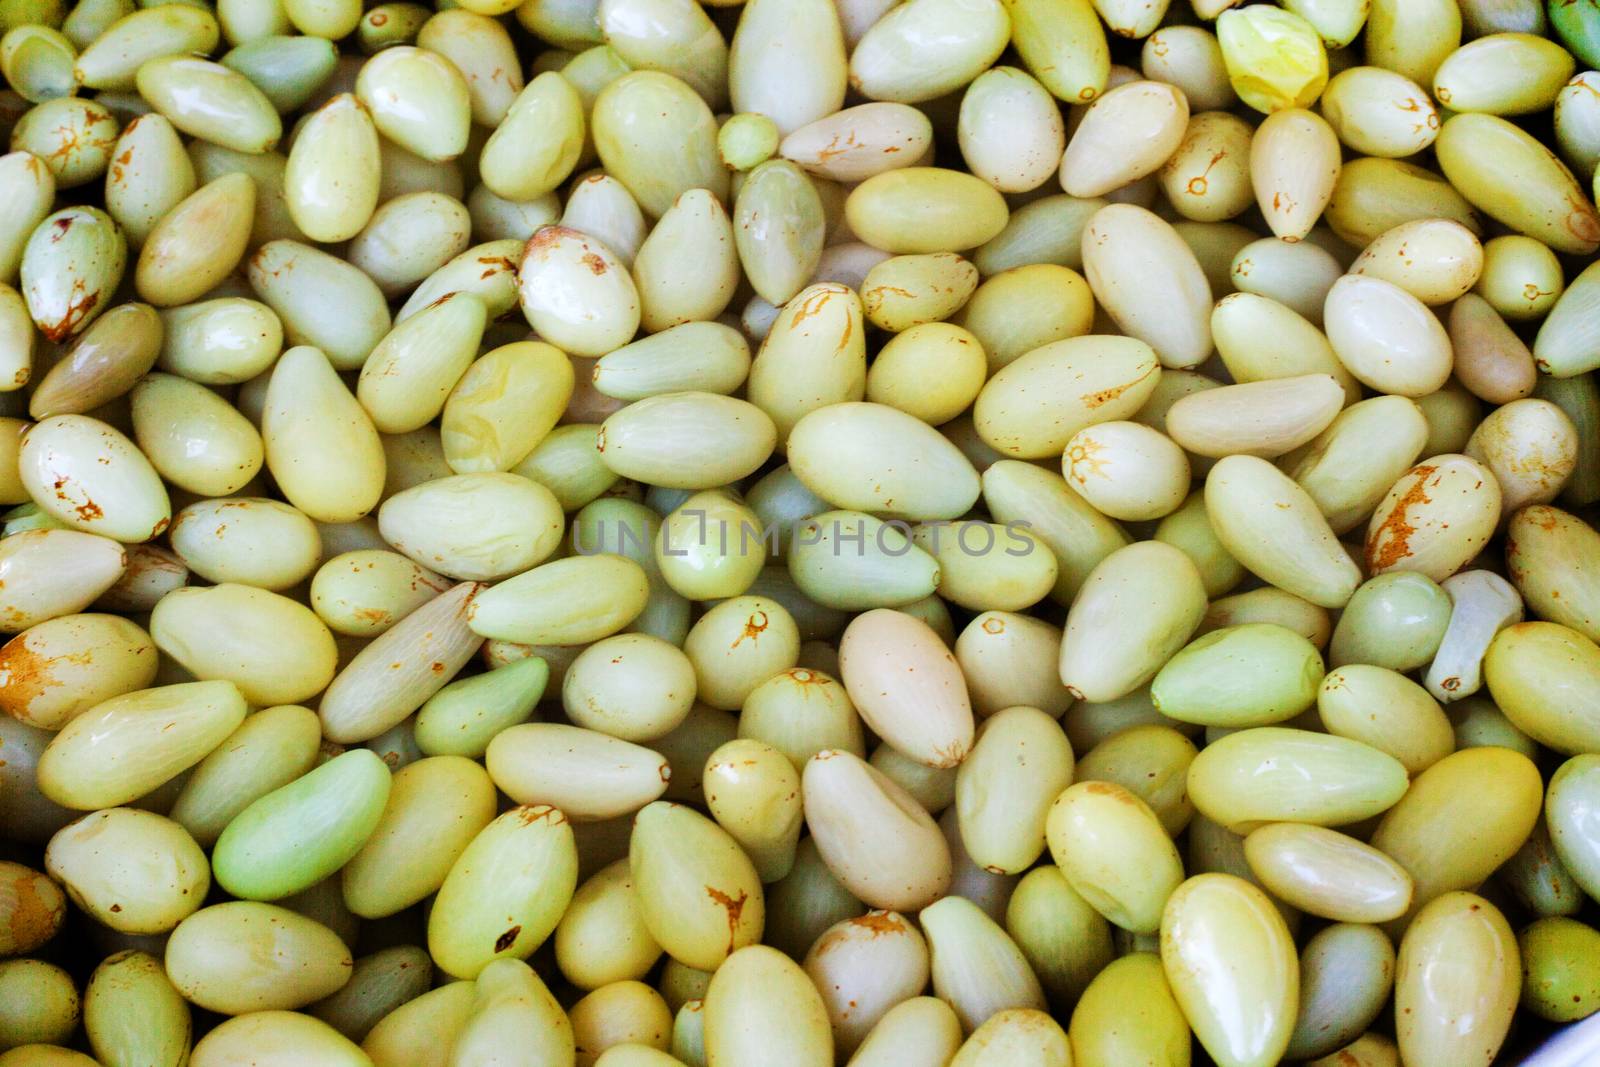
671, 533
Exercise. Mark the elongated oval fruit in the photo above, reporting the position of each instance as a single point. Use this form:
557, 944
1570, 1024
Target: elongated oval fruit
391, 677
134, 871
1508, 175
1114, 852
1003, 818
1346, 471
538, 607
1149, 282
760, 1006
474, 526
1094, 668
1126, 134
1545, 553
418, 99
331, 184
299, 834
193, 438
1496, 794
1531, 447
197, 243
976, 967
1379, 112
506, 891
323, 301
907, 686
872, 457
928, 48
585, 773
1543, 676
881, 845
244, 956
435, 807
321, 447
698, 893
858, 142
1388, 711
60, 668
1274, 528
89, 476
1231, 963
1346, 976
1033, 406
69, 270
646, 440
1457, 982
270, 749
1386, 337
123, 748
1328, 874
576, 293
1128, 1013
101, 365
1435, 519
132, 1013
209, 101
922, 1030
1207, 179
114, 56
1294, 167
657, 136
1250, 675
864, 967
1571, 810
409, 375
1274, 774
1265, 418
250, 541
925, 209
274, 649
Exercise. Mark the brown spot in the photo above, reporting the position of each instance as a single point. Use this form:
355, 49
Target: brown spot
1390, 542
595, 264
34, 917
443, 299
116, 907
733, 907
532, 813
879, 922
88, 511
507, 939
994, 625
753, 627
378, 18
1105, 396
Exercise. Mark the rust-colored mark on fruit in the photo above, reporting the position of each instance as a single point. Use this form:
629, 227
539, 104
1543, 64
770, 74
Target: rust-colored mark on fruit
507, 939
879, 922
733, 906
595, 263
1390, 542
754, 626
1105, 396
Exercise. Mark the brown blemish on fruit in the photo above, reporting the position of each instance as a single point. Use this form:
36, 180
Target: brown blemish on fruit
733, 907
1390, 542
879, 922
534, 813
596, 265
25, 675
994, 625
754, 626
34, 917
507, 939
1105, 396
